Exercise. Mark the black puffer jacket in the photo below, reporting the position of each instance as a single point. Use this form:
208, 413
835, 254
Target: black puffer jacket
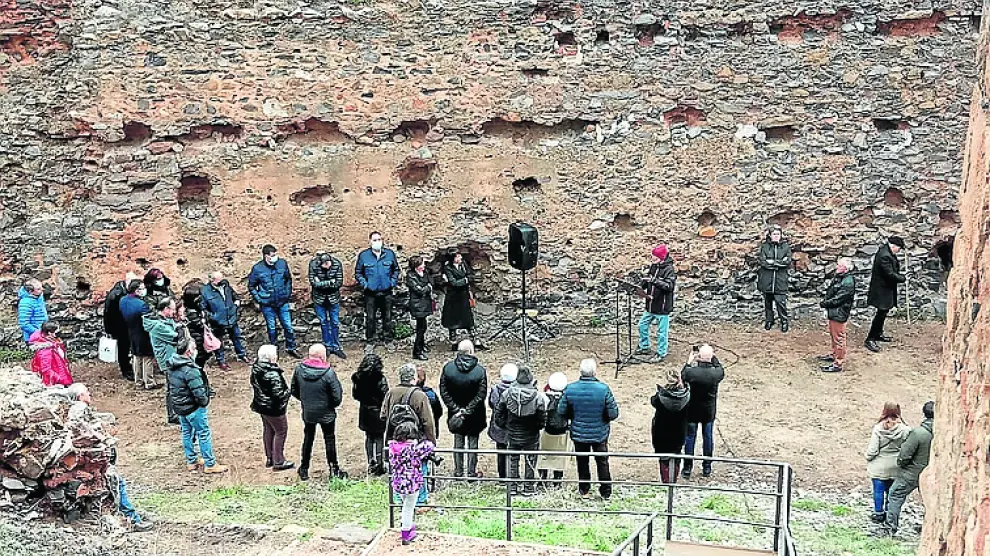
885, 278
271, 392
420, 294
703, 379
157, 293
463, 386
326, 282
839, 297
192, 301
670, 419
188, 385
522, 411
556, 423
775, 264
318, 390
659, 283
113, 321
369, 389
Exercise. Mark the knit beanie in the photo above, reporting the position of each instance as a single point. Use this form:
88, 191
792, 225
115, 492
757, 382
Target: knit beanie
660, 251
509, 372
558, 381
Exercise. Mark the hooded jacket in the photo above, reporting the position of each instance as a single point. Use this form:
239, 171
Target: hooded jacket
187, 384
219, 309
31, 312
590, 407
270, 391
132, 309
839, 297
915, 452
522, 411
463, 385
50, 362
164, 335
192, 302
775, 265
420, 403
495, 431
659, 283
703, 378
884, 279
881, 453
326, 282
316, 387
370, 389
270, 284
670, 418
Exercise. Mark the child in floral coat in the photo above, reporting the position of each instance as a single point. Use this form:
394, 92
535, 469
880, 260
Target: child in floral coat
406, 454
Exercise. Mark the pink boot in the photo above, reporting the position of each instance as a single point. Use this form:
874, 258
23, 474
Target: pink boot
405, 538
412, 533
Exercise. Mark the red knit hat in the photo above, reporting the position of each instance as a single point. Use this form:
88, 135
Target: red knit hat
660, 251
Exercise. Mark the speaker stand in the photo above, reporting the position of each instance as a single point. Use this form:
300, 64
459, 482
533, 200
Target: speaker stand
521, 319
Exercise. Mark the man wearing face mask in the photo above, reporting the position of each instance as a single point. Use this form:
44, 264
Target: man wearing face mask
270, 284
132, 309
326, 276
377, 270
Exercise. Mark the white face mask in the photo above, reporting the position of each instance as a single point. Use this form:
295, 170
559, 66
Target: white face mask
142, 292
160, 282
376, 245
272, 259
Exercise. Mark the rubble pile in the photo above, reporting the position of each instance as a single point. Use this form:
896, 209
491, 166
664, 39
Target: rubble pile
54, 452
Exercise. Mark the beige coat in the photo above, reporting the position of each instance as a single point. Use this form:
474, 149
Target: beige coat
881, 454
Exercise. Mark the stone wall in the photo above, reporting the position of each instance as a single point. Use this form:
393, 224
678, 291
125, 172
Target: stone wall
186, 134
956, 487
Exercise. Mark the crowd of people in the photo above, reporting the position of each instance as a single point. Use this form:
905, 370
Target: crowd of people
159, 333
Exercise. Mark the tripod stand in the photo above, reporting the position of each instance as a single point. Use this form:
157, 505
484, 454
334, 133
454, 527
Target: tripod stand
629, 357
522, 318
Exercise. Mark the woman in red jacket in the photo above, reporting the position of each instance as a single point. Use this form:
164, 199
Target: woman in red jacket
49, 359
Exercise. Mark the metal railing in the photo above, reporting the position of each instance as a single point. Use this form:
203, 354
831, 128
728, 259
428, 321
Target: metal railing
781, 495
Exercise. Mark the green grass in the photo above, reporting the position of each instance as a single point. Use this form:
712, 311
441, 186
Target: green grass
8, 355
810, 505
841, 511
721, 505
843, 540
403, 331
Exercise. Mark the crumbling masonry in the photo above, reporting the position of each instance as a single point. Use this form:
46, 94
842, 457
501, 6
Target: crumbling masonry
187, 134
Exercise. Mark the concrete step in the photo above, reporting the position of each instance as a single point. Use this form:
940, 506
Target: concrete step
673, 548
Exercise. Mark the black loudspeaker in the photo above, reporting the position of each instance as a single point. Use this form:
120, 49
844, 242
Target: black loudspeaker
524, 246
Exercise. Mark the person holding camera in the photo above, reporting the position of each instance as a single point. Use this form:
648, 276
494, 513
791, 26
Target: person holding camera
702, 374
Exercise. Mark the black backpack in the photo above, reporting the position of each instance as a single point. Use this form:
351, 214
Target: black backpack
402, 412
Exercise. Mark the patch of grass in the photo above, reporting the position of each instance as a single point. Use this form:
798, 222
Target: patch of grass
843, 540
810, 505
589, 533
596, 322
841, 511
16, 355
403, 331
721, 505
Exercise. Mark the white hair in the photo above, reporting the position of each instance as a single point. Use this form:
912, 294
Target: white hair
318, 351
706, 352
268, 353
216, 274
509, 372
589, 367
466, 347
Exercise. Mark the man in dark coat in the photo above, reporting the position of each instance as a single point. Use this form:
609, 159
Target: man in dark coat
221, 308
377, 271
318, 390
772, 278
838, 304
670, 422
590, 407
457, 311
270, 284
133, 307
190, 396
326, 276
702, 374
463, 386
659, 285
883, 289
522, 412
115, 327
913, 459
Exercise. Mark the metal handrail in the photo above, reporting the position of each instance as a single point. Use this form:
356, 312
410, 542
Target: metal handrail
633, 538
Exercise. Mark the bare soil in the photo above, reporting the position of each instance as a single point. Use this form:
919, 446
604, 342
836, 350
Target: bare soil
437, 544
774, 404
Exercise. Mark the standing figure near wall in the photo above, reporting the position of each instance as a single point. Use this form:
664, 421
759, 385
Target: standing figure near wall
773, 277
458, 303
884, 279
377, 270
659, 285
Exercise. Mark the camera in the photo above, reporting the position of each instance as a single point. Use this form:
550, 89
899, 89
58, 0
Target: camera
435, 459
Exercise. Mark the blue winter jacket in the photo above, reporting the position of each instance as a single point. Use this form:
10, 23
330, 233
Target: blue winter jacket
31, 312
589, 405
377, 274
220, 309
270, 285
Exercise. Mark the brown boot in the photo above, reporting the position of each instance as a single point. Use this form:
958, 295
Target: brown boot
216, 469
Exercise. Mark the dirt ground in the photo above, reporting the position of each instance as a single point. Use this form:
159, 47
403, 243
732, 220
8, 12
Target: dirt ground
774, 404
439, 545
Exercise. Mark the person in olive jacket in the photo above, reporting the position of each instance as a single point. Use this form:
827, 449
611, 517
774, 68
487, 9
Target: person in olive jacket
190, 395
318, 390
883, 289
420, 303
659, 285
326, 276
369, 388
773, 276
838, 304
913, 459
463, 387
270, 400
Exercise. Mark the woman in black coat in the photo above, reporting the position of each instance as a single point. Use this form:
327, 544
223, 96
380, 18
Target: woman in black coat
420, 303
159, 286
191, 296
270, 400
457, 311
370, 388
670, 423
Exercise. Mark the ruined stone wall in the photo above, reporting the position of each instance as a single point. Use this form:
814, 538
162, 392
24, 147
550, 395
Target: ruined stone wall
956, 487
186, 134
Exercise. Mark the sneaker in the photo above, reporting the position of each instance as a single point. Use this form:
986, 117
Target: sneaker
268, 463
686, 474
224, 367
284, 466
880, 517
294, 353
141, 526
421, 357
405, 538
215, 469
194, 466
768, 325
643, 351
658, 359
833, 368
412, 533
339, 353
872, 346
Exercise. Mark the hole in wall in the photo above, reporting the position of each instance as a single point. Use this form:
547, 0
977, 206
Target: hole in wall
181, 262
623, 222
943, 251
920, 27
527, 185
535, 72
647, 34
311, 195
193, 196
83, 286
476, 255
894, 197
948, 219
313, 130
566, 43
890, 124
601, 37
780, 133
415, 130
707, 218
791, 219
975, 23
415, 170
553, 10
136, 133
142, 262
684, 115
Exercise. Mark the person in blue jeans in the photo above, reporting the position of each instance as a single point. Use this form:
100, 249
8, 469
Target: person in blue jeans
888, 434
377, 270
326, 276
270, 284
221, 306
659, 286
702, 373
190, 396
